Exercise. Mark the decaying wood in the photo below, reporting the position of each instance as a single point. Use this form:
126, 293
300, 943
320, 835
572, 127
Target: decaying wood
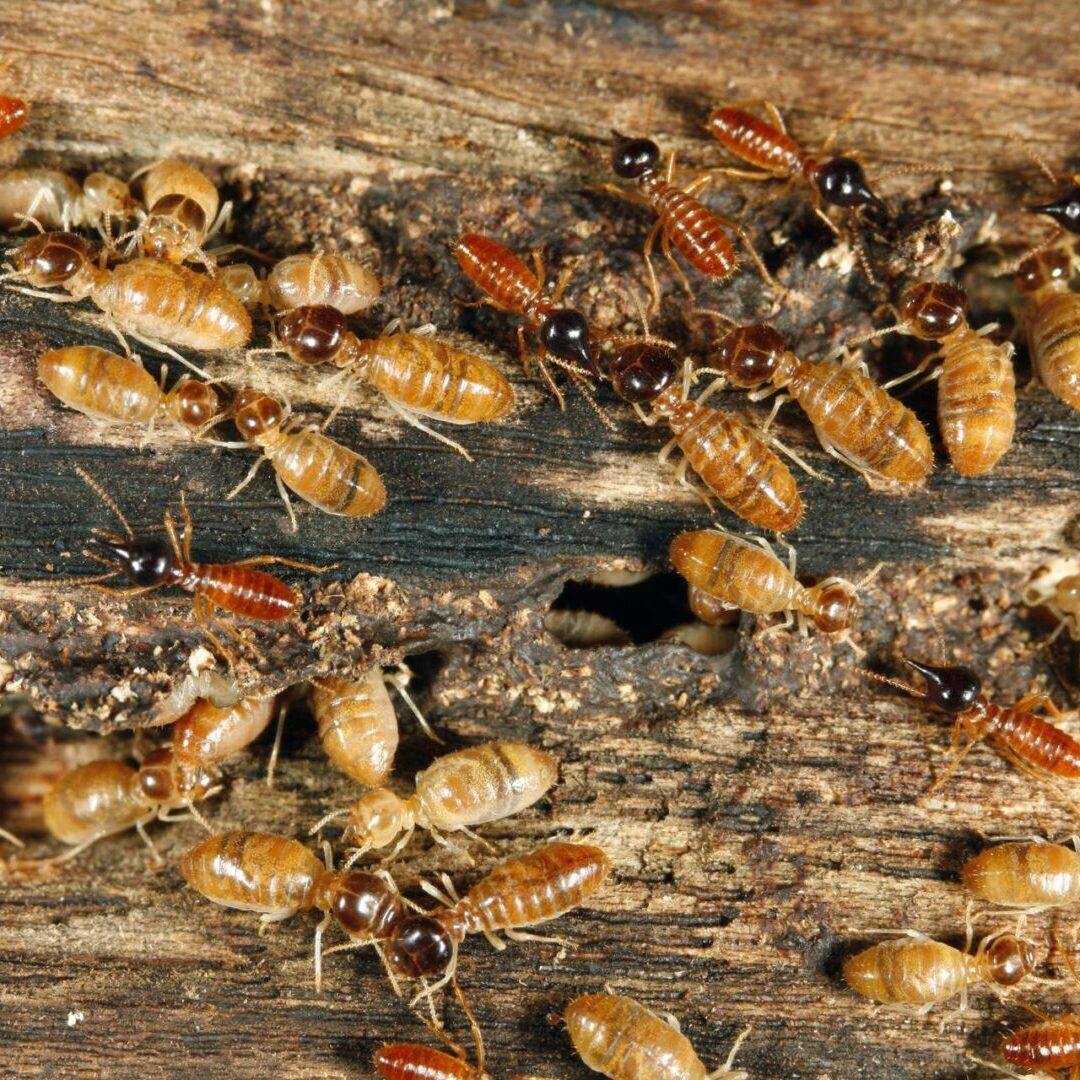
762, 807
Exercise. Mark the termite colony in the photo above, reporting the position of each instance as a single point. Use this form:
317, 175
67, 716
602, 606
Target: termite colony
154, 273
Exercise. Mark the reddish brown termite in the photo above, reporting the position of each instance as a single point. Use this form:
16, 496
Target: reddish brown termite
562, 332
1051, 323
14, 112
419, 375
412, 1061
52, 199
620, 1038
102, 385
731, 458
468, 787
855, 420
1028, 874
749, 576
150, 563
321, 471
1057, 587
308, 280
976, 382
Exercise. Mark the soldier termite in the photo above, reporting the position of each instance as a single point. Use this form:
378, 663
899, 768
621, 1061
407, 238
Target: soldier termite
152, 300
523, 891
1051, 322
419, 375
750, 577
279, 877
1028, 874
976, 382
620, 1038
54, 200
14, 112
855, 420
916, 970
562, 332
148, 564
307, 280
321, 471
105, 386
731, 458
468, 787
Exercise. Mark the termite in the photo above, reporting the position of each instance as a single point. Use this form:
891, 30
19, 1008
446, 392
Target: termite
357, 724
102, 385
148, 564
468, 787
683, 222
307, 280
411, 1061
750, 577
152, 300
1051, 322
976, 382
620, 1038
584, 629
856, 420
279, 877
731, 458
1058, 589
321, 471
562, 332
916, 970
207, 734
14, 112
523, 891
1030, 874
419, 375
54, 200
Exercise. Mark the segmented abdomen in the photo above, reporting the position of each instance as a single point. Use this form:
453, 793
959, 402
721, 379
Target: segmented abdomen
48, 194
855, 415
1053, 1044
357, 725
410, 1061
100, 383
206, 734
328, 475
756, 141
91, 801
1054, 345
243, 591
693, 230
907, 971
498, 272
1035, 740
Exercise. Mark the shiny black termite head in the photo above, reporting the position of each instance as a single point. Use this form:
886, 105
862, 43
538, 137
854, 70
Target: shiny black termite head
632, 158
564, 334
952, 687
842, 182
143, 561
1065, 209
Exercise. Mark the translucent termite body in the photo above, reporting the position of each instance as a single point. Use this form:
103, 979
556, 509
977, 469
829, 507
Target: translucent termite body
100, 384
750, 577
14, 112
153, 300
326, 474
620, 1038
584, 629
1025, 874
854, 418
1051, 322
183, 209
56, 200
468, 787
308, 280
357, 725
731, 458
916, 970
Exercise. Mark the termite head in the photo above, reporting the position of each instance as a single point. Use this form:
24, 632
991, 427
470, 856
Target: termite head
255, 413
639, 372
51, 258
1065, 209
952, 688
378, 818
145, 561
842, 182
1009, 959
833, 607
108, 194
174, 228
312, 334
365, 905
632, 158
421, 947
565, 334
933, 309
156, 776
749, 355
193, 403
1045, 268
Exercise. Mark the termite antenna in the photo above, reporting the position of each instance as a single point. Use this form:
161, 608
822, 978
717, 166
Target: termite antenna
326, 819
898, 683
105, 497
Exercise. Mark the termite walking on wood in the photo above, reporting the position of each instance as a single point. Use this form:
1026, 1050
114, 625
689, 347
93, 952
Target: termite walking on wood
148, 564
620, 1038
308, 280
1051, 322
1025, 874
52, 199
856, 420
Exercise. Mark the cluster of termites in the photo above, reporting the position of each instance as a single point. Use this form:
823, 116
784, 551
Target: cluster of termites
153, 271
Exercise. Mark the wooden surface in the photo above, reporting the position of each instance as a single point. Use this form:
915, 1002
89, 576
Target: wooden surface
762, 807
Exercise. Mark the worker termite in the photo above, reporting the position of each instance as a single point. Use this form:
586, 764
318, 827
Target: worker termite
916, 970
152, 300
105, 386
584, 629
683, 222
357, 724
279, 877
731, 458
750, 577
148, 564
620, 1038
416, 373
1057, 587
207, 734
855, 420
523, 891
307, 280
14, 112
1030, 874
1051, 322
54, 200
468, 787
562, 332
321, 471
976, 382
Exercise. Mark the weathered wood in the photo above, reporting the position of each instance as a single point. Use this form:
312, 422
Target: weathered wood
760, 807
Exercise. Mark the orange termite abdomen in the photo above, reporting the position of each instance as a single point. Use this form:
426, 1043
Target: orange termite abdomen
410, 1061
14, 112
1024, 874
1050, 1045
756, 141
